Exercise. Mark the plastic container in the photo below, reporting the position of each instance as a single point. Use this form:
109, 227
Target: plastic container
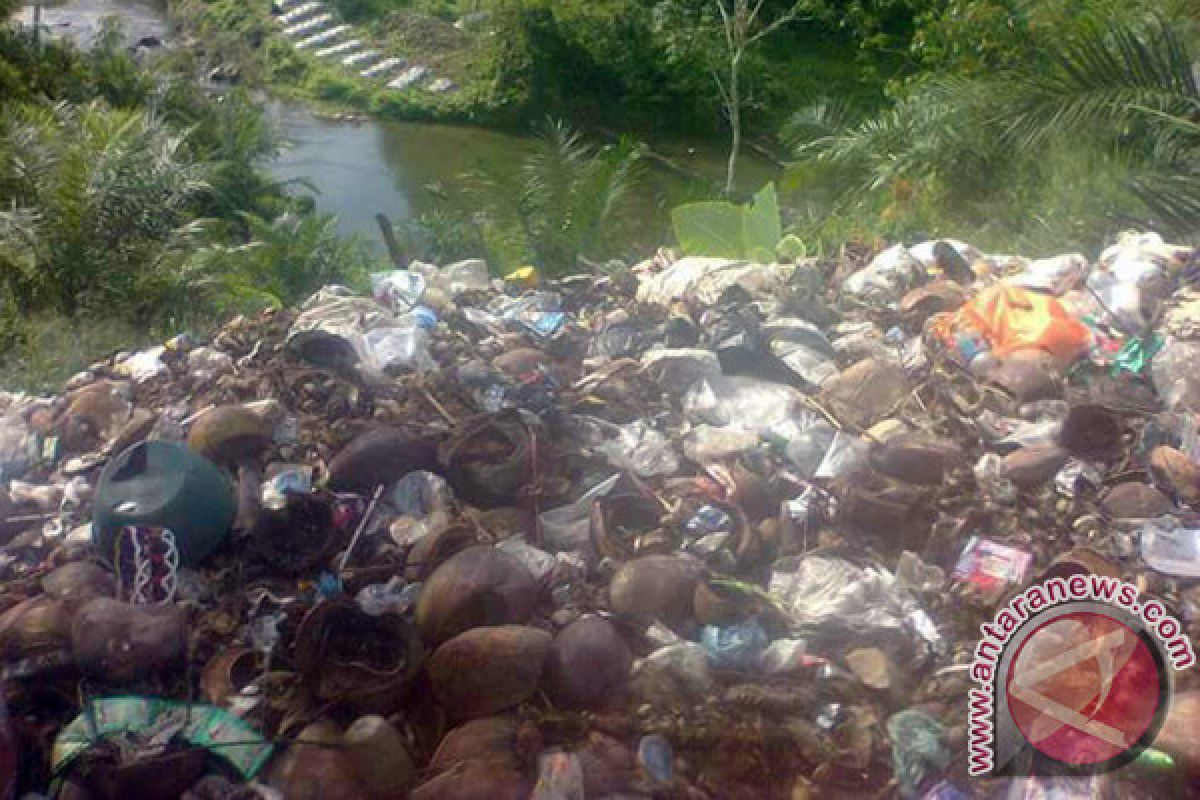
165, 485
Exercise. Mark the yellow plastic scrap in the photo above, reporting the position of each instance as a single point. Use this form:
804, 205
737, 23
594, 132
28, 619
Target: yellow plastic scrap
526, 277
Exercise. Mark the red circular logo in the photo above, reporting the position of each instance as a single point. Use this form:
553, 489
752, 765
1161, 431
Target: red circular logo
1083, 688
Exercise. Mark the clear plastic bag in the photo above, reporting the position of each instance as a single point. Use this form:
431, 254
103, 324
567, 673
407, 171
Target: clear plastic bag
399, 289
1171, 549
641, 449
405, 345
566, 528
740, 402
833, 591
885, 280
18, 447
1175, 371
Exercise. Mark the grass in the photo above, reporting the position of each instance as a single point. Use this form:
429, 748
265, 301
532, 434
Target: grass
53, 348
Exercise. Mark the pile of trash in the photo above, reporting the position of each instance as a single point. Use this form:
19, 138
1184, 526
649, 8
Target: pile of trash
708, 529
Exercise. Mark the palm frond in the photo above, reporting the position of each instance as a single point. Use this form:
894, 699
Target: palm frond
1103, 77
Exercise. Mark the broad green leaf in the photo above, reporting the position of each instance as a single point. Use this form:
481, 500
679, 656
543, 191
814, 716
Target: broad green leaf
761, 222
709, 229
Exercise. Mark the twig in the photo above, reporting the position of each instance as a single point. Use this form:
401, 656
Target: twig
362, 526
438, 407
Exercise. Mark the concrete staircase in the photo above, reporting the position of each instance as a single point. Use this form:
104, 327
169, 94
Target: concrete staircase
312, 25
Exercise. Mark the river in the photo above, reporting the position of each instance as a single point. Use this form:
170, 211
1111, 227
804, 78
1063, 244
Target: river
361, 168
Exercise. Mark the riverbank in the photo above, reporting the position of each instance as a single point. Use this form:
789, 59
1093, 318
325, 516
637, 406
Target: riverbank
255, 44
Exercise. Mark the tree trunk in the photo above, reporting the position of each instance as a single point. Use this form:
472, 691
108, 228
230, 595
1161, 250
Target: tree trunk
735, 122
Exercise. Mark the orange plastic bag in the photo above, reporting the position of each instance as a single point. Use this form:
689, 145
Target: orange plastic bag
1011, 318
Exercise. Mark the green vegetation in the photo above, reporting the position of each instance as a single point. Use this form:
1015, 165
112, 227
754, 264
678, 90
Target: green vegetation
561, 208
1049, 153
1033, 126
132, 201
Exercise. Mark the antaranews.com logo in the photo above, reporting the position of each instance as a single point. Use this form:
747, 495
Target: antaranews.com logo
1075, 677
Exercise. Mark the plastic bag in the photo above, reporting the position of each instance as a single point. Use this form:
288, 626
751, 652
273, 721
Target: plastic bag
539, 563
1056, 274
739, 402
1011, 318
205, 364
1171, 549
419, 494
393, 597
919, 751
803, 347
566, 528
885, 280
143, 366
833, 591
466, 275
539, 312
641, 449
403, 345
684, 663
399, 289
18, 447
738, 646
1176, 374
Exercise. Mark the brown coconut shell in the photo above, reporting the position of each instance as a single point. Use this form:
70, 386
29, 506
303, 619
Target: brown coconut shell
33, 627
486, 670
78, 581
380, 757
474, 780
657, 587
317, 767
1134, 500
917, 458
1174, 469
230, 435
588, 665
488, 738
476, 587
1031, 467
379, 456
120, 642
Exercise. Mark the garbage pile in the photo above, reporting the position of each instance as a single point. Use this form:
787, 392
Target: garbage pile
708, 529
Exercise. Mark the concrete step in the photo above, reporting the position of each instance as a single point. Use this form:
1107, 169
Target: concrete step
382, 67
309, 25
300, 12
284, 5
361, 58
409, 77
441, 85
337, 49
324, 36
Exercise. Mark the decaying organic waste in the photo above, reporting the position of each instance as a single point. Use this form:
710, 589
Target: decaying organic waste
725, 530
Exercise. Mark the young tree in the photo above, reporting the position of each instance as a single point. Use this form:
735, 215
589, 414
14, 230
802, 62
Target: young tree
744, 25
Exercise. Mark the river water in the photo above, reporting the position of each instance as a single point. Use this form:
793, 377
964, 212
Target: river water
362, 168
